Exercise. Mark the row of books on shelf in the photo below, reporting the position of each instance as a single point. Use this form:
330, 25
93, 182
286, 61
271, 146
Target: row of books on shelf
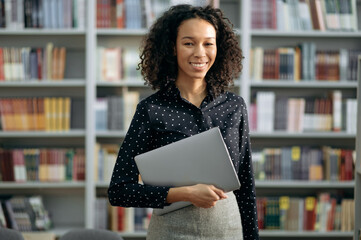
304, 163
120, 219
117, 64
270, 113
48, 14
41, 164
105, 156
137, 14
321, 213
24, 214
295, 15
25, 64
41, 114
116, 112
304, 63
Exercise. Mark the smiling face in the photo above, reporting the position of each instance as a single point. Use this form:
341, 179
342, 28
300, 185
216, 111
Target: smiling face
196, 49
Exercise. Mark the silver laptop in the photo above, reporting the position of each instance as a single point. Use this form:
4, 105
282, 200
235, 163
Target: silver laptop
202, 158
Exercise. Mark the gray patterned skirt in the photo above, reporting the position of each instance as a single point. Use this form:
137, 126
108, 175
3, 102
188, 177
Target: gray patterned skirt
221, 222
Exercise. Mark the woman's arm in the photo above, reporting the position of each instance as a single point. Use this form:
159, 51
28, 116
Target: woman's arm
246, 195
124, 189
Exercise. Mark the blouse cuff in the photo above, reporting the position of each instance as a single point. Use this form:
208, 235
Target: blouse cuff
157, 196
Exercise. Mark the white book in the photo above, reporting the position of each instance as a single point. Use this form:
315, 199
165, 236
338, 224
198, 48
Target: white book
258, 64
129, 220
354, 20
281, 25
265, 111
20, 15
337, 110
305, 16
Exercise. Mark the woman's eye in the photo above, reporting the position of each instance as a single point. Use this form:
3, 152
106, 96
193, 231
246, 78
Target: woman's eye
188, 44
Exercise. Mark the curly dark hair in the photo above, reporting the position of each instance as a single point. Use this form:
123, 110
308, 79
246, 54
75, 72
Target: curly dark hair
159, 64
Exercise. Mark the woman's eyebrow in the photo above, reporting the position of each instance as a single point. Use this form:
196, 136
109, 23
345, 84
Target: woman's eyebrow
188, 37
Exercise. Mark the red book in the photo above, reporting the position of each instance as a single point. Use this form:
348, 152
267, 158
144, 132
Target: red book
120, 13
121, 215
348, 165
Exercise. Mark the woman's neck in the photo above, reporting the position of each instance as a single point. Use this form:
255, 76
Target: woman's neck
193, 91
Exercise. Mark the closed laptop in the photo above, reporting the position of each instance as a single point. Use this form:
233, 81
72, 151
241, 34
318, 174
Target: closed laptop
201, 158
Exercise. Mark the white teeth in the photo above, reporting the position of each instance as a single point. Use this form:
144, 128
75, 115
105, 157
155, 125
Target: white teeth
198, 64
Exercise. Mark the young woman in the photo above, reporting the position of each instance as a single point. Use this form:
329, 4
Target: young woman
191, 55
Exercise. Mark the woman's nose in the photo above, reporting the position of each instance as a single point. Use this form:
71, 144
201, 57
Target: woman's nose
199, 51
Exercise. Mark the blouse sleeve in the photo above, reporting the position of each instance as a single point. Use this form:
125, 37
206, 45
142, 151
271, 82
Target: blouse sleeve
124, 189
246, 195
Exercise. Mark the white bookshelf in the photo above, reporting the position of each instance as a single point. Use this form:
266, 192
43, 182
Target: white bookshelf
70, 32
299, 85
304, 135
42, 134
357, 195
309, 34
111, 134
81, 82
297, 184
304, 234
70, 83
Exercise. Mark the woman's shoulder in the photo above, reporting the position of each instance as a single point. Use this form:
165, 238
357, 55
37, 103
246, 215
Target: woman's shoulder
154, 98
230, 96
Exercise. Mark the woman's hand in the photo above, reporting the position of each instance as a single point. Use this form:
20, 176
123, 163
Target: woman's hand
200, 195
205, 196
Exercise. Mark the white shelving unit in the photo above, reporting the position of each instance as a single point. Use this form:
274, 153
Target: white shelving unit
357, 232
72, 204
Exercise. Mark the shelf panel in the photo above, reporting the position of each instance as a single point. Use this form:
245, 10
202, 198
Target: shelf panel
303, 84
135, 83
102, 184
34, 185
42, 83
111, 134
312, 34
39, 31
61, 230
139, 234
304, 184
286, 234
284, 134
38, 134
121, 32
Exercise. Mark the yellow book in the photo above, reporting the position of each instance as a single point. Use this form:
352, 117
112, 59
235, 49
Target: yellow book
297, 64
55, 66
53, 113
59, 114
67, 106
47, 113
25, 114
96, 162
42, 166
16, 105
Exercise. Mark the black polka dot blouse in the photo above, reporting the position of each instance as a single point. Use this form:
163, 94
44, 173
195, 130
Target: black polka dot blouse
166, 117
